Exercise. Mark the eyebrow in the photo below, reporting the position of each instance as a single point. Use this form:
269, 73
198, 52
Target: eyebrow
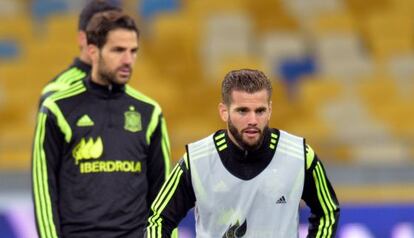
124, 48
261, 109
246, 108
240, 108
118, 48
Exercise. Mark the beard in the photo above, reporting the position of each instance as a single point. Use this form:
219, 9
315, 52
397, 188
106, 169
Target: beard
238, 136
108, 76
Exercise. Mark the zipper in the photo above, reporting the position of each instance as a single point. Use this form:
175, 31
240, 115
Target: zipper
109, 97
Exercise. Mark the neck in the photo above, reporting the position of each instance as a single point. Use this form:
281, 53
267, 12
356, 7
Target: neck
84, 57
97, 79
244, 154
233, 140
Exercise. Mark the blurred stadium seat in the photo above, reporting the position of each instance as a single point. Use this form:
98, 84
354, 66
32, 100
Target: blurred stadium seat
276, 46
270, 15
205, 8
402, 69
175, 47
8, 49
333, 22
361, 9
150, 8
305, 10
43, 8
389, 34
342, 55
225, 35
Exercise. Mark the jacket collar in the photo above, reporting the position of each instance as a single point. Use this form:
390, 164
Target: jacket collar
105, 91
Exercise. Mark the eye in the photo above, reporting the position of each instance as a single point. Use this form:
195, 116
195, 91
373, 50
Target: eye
261, 111
118, 49
241, 110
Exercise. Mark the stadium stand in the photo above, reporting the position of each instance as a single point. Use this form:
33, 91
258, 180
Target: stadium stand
352, 63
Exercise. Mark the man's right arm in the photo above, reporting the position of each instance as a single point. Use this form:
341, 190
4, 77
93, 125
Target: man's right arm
172, 203
47, 148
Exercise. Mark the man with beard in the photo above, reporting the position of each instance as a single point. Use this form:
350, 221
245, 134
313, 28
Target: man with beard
81, 65
247, 180
101, 150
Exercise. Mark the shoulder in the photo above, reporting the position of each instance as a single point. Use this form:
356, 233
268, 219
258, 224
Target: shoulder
206, 142
310, 156
70, 74
289, 135
64, 79
71, 91
213, 137
59, 111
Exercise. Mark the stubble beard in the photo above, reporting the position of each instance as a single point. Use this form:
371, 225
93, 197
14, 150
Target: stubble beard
106, 75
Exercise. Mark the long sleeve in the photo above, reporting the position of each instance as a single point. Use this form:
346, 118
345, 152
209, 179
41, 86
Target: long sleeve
47, 148
159, 159
172, 203
319, 195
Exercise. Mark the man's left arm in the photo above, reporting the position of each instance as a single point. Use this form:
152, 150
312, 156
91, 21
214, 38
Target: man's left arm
159, 161
320, 196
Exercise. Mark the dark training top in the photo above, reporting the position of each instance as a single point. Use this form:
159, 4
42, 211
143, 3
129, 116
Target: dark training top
246, 165
100, 156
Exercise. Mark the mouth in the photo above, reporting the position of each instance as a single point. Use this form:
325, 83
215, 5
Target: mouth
251, 132
125, 71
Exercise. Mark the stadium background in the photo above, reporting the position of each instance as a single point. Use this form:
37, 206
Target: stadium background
342, 71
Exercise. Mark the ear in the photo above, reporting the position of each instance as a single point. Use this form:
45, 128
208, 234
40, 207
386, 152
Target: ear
223, 111
93, 52
82, 42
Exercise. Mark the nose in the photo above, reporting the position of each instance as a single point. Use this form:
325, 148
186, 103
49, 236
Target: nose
128, 58
252, 119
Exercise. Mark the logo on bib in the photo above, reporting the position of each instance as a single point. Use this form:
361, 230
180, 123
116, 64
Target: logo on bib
281, 200
236, 230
